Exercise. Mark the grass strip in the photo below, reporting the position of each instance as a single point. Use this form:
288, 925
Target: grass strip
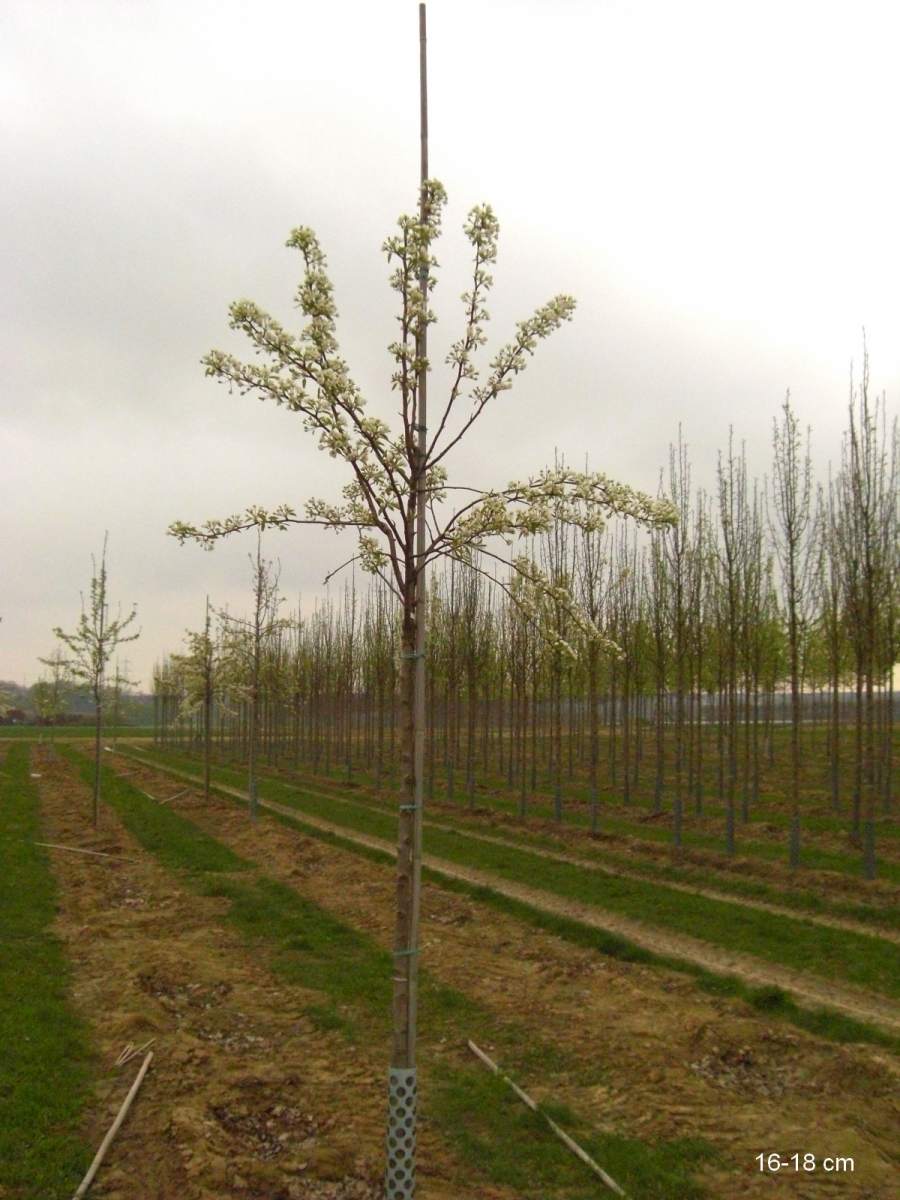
491, 1125
886, 915
774, 1002
747, 846
174, 840
309, 947
752, 840
45, 1064
833, 954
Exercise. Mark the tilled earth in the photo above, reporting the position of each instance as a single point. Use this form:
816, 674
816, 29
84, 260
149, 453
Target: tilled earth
657, 1058
245, 1098
775, 871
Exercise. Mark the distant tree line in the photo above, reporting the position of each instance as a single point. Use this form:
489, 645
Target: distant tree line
757, 641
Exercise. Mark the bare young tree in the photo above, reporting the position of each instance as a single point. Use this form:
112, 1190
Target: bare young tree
51, 692
868, 523
198, 668
118, 690
791, 525
91, 646
677, 544
732, 480
593, 578
244, 645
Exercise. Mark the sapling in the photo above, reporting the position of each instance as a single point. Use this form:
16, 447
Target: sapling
244, 645
198, 668
51, 692
791, 525
397, 498
91, 646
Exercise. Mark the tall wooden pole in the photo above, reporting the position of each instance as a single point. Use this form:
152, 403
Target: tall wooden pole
421, 530
400, 1181
207, 703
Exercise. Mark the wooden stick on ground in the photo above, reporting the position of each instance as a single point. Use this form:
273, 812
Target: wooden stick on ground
130, 1052
127, 1052
113, 1130
177, 796
76, 850
560, 1133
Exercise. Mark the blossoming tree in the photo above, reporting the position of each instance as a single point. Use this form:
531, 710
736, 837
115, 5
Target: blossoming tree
91, 646
399, 503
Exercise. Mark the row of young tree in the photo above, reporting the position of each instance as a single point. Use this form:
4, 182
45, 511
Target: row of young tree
755, 638
54, 694
80, 663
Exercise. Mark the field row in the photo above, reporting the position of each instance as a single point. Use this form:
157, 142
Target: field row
669, 1086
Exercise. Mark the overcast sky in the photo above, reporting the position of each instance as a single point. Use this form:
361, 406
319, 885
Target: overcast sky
716, 183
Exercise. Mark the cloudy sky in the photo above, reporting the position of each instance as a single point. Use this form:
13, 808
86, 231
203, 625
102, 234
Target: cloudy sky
715, 182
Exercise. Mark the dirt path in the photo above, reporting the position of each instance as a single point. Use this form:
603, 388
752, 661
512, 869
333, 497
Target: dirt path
658, 1059
773, 872
806, 989
246, 1099
592, 864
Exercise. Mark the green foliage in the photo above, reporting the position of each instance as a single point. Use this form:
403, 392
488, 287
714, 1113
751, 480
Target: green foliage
96, 635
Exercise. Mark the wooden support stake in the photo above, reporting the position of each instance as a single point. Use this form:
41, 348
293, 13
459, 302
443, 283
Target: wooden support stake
76, 850
560, 1133
113, 1130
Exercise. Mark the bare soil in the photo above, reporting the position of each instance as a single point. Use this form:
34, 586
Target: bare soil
245, 1098
887, 890
811, 990
827, 884
656, 1057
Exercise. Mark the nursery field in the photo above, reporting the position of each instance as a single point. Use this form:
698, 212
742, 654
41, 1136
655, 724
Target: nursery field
488, 826
677, 1021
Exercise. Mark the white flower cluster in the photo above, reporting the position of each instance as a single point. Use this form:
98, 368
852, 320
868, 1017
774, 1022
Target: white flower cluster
306, 374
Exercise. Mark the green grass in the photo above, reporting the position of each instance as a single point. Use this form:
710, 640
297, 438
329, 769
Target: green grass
705, 832
47, 733
747, 843
45, 1059
706, 877
823, 1022
830, 953
305, 945
884, 915
155, 826
494, 1131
